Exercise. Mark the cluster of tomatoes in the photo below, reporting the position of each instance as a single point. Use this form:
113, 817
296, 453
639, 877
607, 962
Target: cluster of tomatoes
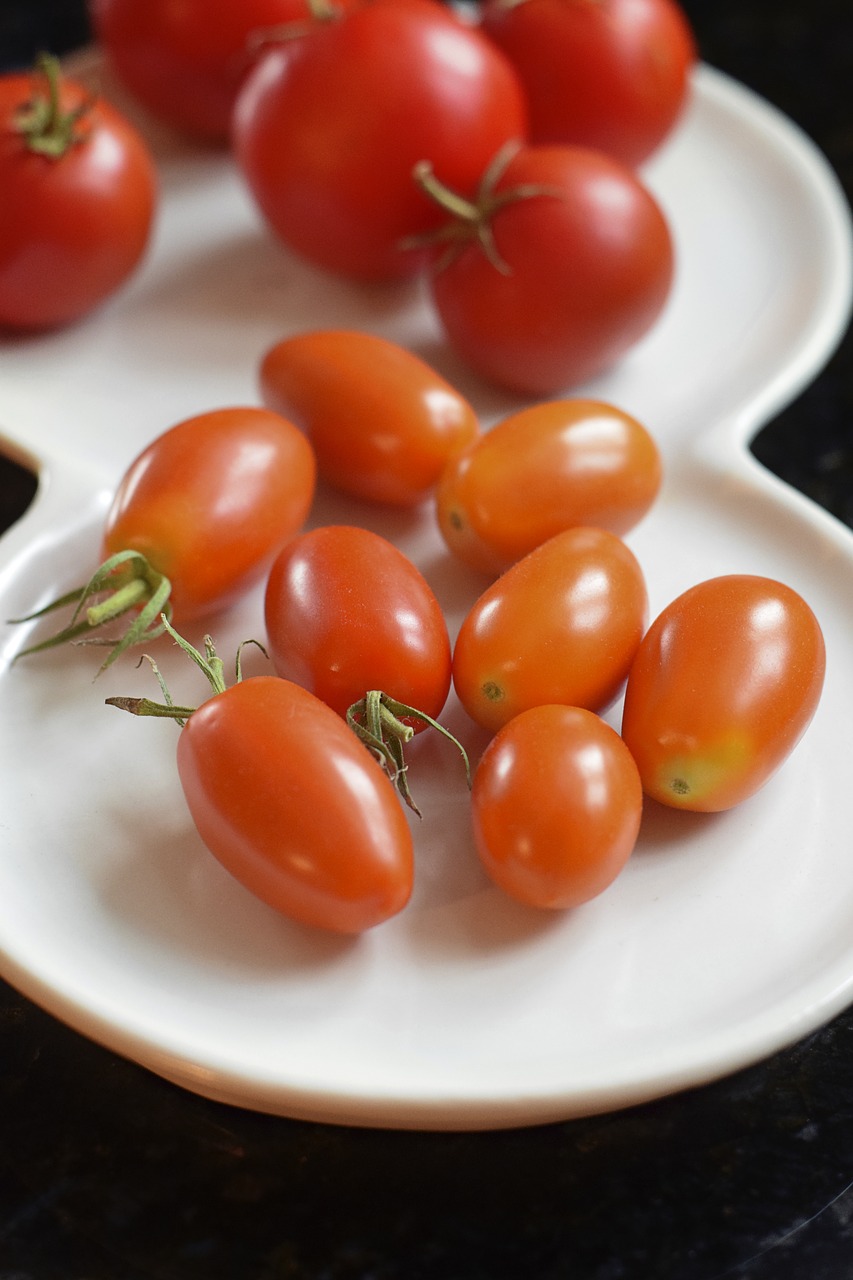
495, 150
295, 780
498, 151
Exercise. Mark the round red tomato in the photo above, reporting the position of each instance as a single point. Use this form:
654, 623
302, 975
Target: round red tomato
722, 688
291, 803
544, 469
613, 75
381, 421
561, 625
79, 193
328, 129
556, 804
185, 62
348, 613
211, 501
562, 264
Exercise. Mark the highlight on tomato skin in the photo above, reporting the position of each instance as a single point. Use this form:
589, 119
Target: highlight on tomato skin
556, 807
292, 804
382, 422
723, 687
546, 468
561, 625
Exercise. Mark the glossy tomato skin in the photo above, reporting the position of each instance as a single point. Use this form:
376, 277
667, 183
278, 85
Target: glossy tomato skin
211, 502
73, 227
347, 612
722, 688
561, 625
382, 422
185, 62
285, 796
327, 131
556, 806
613, 75
588, 266
549, 467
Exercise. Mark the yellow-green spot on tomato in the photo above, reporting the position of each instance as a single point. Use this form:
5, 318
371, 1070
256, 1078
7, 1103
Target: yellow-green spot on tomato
689, 777
493, 691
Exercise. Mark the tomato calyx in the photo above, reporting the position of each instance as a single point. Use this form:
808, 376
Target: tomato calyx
471, 220
124, 583
45, 127
382, 724
209, 663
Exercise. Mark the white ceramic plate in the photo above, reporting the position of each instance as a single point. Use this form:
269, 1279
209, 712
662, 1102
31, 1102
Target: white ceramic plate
724, 939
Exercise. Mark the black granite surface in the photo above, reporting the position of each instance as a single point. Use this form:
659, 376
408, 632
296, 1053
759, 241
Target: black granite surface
108, 1173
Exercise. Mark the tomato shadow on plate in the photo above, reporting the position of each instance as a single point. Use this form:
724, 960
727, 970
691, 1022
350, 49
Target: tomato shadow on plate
664, 827
165, 887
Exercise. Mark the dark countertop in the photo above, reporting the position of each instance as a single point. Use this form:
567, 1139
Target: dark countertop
109, 1173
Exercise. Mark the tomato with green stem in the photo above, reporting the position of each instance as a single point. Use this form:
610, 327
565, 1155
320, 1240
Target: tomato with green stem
561, 625
553, 271
546, 468
382, 422
79, 197
288, 800
556, 806
327, 131
197, 518
351, 618
722, 688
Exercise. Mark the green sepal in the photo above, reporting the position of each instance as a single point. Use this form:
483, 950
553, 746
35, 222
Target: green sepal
379, 721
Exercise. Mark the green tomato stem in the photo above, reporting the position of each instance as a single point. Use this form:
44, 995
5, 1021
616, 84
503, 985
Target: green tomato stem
47, 129
379, 721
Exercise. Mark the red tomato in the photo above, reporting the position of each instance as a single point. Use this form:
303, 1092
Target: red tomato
722, 688
556, 804
295, 807
79, 193
382, 422
562, 264
562, 625
347, 613
541, 470
613, 75
185, 62
327, 130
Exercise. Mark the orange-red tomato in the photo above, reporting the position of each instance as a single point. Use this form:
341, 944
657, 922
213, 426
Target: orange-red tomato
382, 422
544, 469
211, 501
561, 625
556, 804
722, 688
295, 807
347, 613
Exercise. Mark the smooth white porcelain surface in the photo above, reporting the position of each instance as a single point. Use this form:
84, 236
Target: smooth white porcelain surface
725, 938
